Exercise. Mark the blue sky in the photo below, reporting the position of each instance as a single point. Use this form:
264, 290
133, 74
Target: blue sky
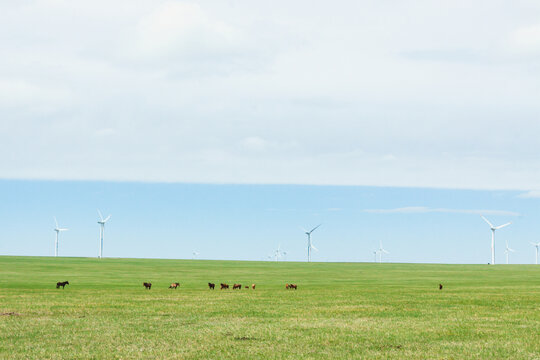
248, 222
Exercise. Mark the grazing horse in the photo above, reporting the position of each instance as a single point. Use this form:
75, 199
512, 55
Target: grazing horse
174, 285
211, 286
62, 284
293, 286
224, 286
440, 286
247, 287
237, 286
287, 286
147, 285
253, 286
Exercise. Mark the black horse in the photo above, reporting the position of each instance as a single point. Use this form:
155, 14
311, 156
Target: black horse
62, 284
147, 285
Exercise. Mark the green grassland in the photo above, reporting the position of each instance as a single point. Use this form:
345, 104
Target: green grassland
340, 310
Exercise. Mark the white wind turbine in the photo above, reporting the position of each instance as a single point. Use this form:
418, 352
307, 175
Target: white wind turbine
507, 251
278, 253
102, 232
493, 228
195, 254
57, 229
381, 250
310, 244
536, 246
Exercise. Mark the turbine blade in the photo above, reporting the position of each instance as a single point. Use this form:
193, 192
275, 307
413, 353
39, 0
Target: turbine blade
501, 226
312, 230
486, 220
107, 219
100, 216
314, 248
384, 251
56, 222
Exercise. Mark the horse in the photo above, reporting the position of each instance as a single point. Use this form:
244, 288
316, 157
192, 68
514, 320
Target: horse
224, 286
440, 286
237, 286
211, 286
253, 286
147, 285
247, 287
293, 286
62, 284
286, 286
174, 285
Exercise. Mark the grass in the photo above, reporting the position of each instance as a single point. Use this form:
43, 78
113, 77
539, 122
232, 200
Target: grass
340, 310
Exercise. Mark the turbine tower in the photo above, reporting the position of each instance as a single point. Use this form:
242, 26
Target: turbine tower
381, 250
536, 246
310, 244
278, 253
493, 228
57, 229
102, 222
375, 254
507, 251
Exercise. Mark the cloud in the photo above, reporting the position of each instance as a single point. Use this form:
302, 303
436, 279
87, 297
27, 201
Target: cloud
105, 132
527, 39
183, 29
533, 194
423, 210
215, 92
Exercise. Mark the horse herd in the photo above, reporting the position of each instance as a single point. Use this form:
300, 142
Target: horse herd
211, 286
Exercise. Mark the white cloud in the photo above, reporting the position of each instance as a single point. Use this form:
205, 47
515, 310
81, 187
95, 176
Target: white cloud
247, 92
423, 210
527, 38
105, 132
532, 194
183, 29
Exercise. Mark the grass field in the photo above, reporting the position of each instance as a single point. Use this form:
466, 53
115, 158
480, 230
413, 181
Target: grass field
340, 310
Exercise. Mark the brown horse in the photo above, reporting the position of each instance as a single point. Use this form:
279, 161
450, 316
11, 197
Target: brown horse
174, 285
237, 286
440, 286
247, 287
62, 284
211, 286
147, 285
224, 286
253, 286
291, 286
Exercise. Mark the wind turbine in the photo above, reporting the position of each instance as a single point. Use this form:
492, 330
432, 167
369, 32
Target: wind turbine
375, 255
536, 246
310, 245
507, 251
278, 253
493, 228
102, 232
195, 254
381, 250
57, 229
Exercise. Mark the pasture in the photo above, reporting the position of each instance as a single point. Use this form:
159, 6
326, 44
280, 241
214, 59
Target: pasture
340, 310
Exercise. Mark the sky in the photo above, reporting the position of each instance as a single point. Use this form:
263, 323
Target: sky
249, 222
309, 95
